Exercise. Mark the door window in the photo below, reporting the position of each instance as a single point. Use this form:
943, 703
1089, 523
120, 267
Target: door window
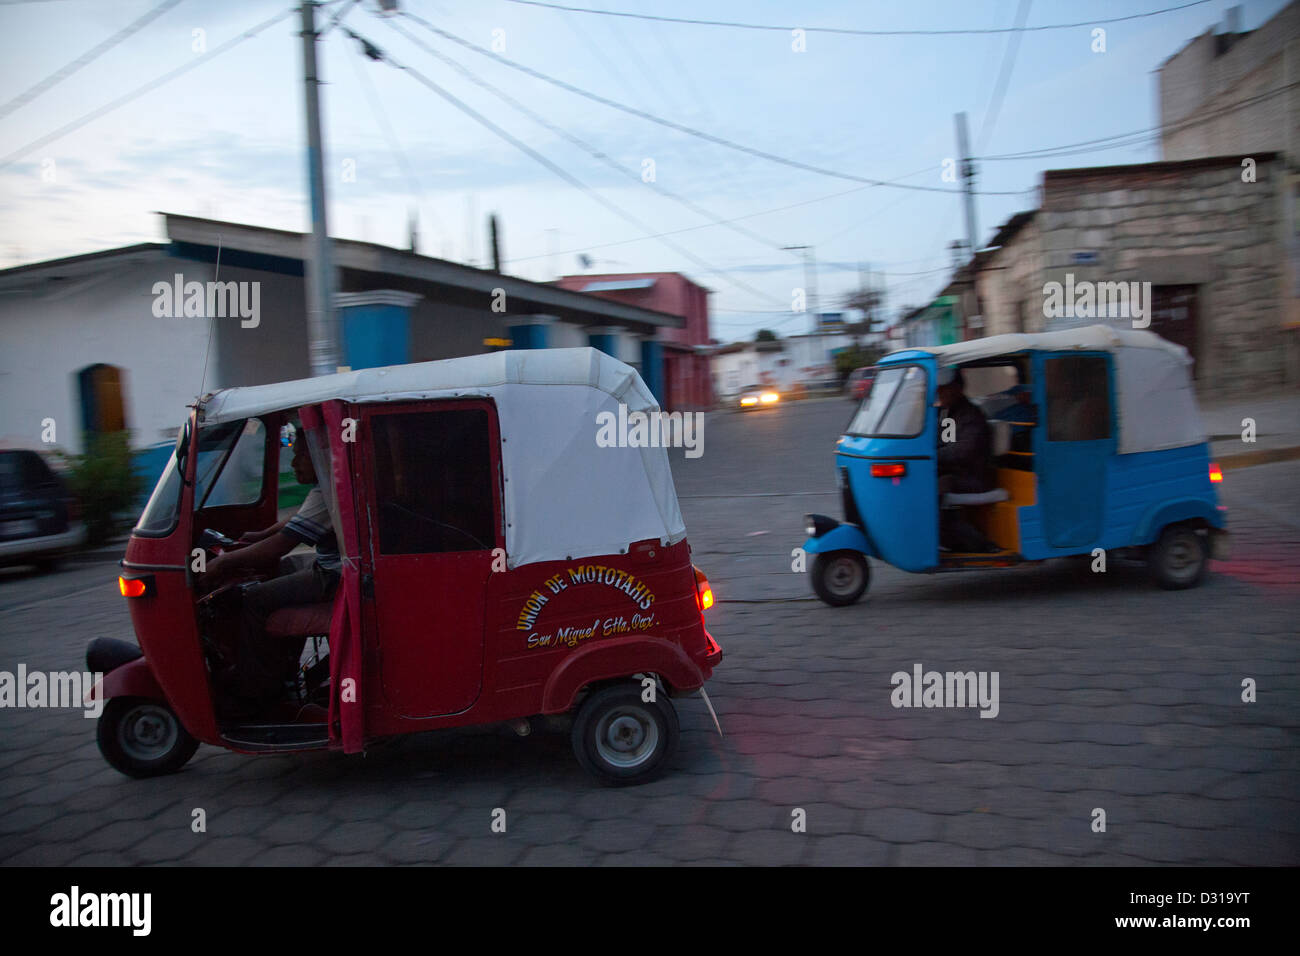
240, 480
1078, 398
433, 482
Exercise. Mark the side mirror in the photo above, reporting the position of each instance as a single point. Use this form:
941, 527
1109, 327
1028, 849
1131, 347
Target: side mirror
182, 449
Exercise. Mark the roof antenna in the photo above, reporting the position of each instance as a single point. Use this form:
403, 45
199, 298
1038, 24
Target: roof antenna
212, 320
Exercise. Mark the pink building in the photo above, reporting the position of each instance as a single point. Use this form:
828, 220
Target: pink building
682, 382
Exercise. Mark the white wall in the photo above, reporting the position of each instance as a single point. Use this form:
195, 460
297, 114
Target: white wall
49, 331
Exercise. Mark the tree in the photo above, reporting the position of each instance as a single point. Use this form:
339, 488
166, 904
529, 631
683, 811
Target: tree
765, 335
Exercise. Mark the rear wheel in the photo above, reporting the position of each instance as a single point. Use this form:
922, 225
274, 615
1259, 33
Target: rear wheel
143, 738
840, 577
1178, 558
622, 739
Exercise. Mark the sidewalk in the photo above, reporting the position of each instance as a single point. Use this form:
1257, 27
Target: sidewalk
1277, 429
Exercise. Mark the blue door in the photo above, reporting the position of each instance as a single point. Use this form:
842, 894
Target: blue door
886, 457
1074, 443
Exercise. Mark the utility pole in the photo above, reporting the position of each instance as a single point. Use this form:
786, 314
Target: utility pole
968, 184
809, 279
322, 325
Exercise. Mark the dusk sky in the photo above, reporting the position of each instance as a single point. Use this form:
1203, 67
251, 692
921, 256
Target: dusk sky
226, 139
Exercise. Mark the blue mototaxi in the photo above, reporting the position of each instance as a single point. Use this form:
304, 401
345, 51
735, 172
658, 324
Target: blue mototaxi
1097, 443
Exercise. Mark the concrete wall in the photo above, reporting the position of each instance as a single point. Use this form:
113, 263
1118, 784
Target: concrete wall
441, 331
1010, 288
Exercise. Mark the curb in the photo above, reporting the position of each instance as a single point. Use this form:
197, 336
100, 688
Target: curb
1263, 456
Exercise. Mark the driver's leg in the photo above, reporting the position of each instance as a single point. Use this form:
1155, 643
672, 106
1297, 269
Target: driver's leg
261, 660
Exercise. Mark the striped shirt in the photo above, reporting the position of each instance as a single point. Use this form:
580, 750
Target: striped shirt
312, 525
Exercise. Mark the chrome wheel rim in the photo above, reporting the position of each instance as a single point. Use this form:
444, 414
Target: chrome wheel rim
843, 576
1184, 557
148, 732
627, 737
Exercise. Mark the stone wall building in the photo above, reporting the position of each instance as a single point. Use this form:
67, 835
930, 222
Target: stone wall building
1234, 91
1211, 244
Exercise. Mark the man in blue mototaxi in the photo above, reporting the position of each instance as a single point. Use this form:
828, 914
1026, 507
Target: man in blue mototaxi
965, 464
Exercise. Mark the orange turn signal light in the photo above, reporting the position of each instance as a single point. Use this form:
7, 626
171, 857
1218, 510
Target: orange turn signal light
703, 593
132, 587
1216, 473
896, 470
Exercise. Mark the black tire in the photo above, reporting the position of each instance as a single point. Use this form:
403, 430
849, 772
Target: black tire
46, 565
841, 577
1179, 558
622, 740
142, 737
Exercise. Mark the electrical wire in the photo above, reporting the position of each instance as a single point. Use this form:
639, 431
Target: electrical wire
141, 90
581, 144
681, 127
89, 56
564, 174
846, 31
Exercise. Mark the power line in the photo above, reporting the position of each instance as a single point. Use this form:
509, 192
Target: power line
681, 127
89, 56
581, 144
707, 225
1137, 137
847, 31
990, 119
376, 52
141, 90
394, 144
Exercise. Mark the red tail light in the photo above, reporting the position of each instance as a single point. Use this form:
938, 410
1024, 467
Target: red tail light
703, 593
897, 470
1216, 473
74, 509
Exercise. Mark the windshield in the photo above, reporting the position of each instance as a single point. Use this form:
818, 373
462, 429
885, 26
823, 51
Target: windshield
159, 516
895, 406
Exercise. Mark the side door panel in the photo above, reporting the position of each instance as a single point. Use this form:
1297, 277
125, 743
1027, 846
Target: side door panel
431, 509
1075, 443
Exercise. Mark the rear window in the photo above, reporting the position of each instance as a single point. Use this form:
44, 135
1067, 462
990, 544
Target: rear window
895, 406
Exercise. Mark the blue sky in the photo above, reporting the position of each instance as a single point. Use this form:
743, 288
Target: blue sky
225, 140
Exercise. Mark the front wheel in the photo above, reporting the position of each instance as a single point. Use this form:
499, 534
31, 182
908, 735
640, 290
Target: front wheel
840, 577
143, 738
1178, 558
622, 739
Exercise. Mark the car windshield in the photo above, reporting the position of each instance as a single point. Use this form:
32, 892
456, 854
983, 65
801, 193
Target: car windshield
895, 406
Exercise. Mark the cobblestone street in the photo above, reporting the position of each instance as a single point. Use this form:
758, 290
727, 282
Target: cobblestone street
1113, 695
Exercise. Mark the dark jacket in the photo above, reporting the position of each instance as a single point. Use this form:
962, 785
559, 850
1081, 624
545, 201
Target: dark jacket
969, 458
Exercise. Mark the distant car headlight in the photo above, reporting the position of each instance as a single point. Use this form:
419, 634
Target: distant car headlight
749, 400
770, 397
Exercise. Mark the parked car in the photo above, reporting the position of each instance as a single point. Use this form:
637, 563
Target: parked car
757, 396
38, 518
859, 383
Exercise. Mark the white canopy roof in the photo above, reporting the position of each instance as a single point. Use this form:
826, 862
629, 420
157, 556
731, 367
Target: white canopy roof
565, 496
1153, 383
1089, 338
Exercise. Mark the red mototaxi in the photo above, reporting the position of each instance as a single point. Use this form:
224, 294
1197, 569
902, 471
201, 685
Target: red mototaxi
497, 564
